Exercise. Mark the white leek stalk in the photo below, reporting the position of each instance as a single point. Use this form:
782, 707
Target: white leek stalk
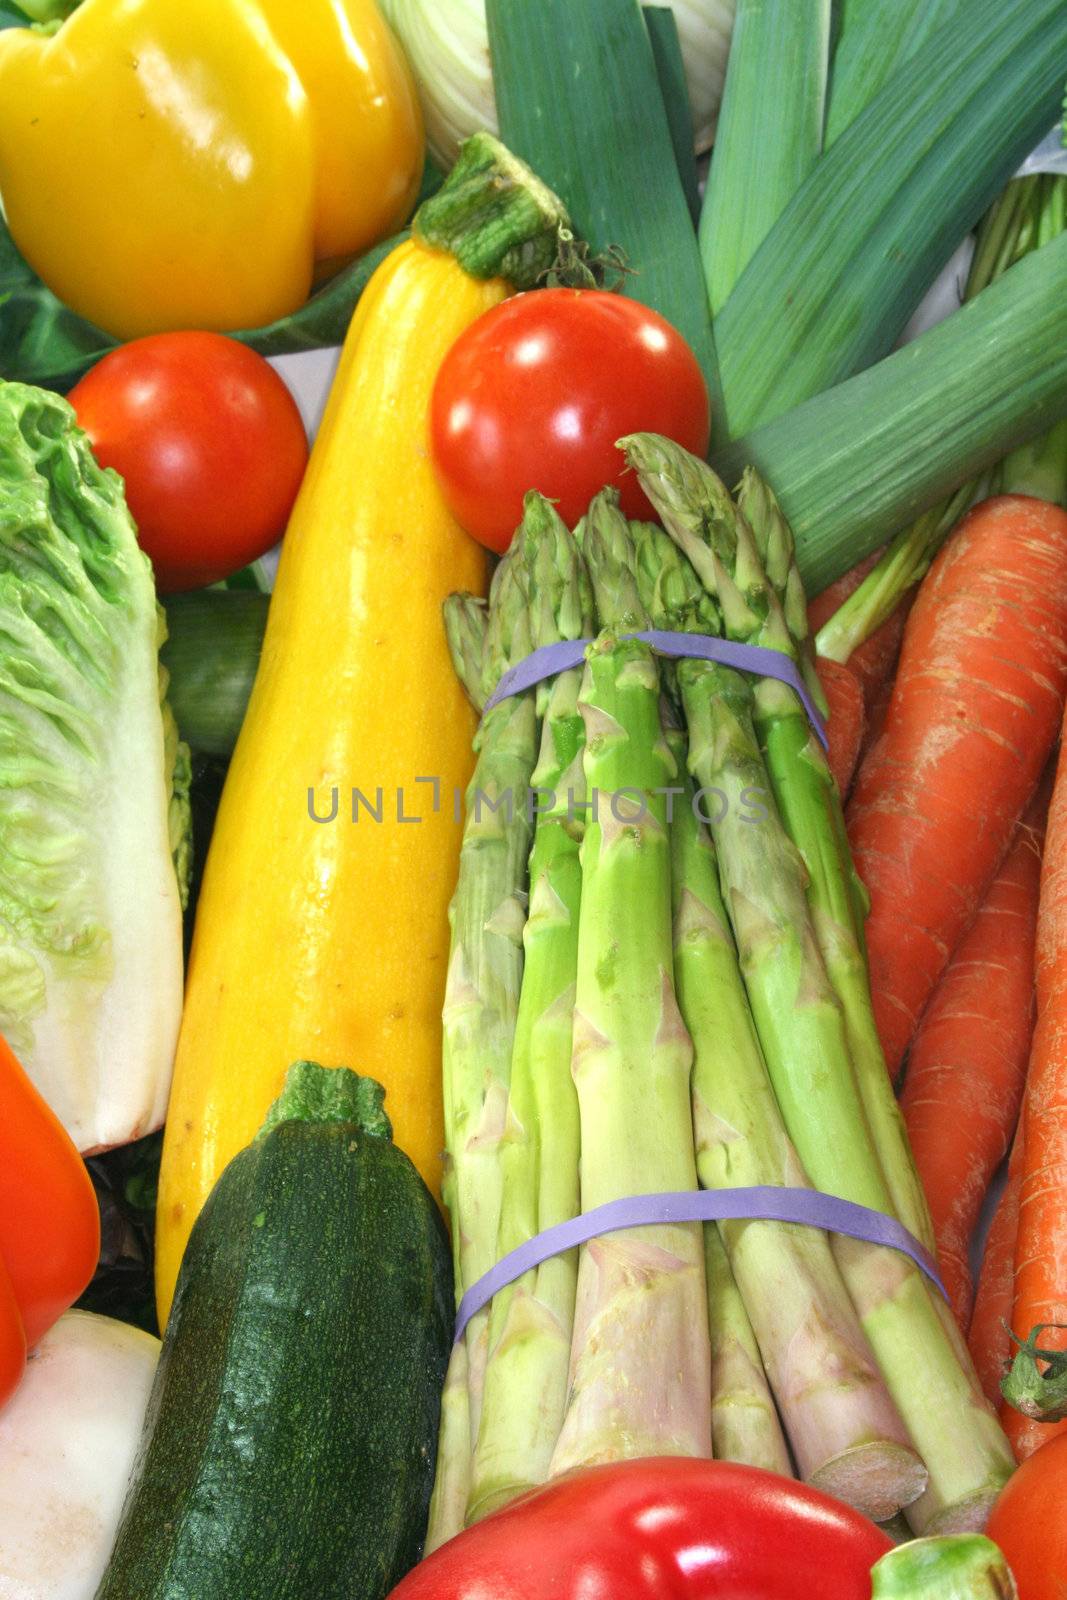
448, 48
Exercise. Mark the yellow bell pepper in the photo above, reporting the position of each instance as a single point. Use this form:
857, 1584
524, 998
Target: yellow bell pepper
192, 163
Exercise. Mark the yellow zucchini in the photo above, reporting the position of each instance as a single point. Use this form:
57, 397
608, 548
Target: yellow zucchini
329, 940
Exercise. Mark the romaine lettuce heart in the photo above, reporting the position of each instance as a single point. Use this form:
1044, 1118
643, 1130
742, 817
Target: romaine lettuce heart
90, 815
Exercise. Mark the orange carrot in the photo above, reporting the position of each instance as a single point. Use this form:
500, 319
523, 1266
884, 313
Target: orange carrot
877, 713
846, 722
852, 688
1041, 1245
967, 1064
874, 663
988, 1338
975, 709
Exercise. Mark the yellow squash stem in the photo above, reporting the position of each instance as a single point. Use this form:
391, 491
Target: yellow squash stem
324, 939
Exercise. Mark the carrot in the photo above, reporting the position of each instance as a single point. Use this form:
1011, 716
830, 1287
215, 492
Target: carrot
846, 722
967, 1064
975, 709
1041, 1245
987, 1337
874, 663
877, 713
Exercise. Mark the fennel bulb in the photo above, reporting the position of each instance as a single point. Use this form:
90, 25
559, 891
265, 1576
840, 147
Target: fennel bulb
448, 48
93, 787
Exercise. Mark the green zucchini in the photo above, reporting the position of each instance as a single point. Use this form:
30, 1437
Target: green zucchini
291, 1432
211, 653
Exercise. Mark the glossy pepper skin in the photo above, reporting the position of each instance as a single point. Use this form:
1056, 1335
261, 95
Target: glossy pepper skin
169, 164
49, 1220
664, 1529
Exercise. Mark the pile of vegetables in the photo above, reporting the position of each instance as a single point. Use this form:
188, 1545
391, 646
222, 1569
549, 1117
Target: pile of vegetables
556, 994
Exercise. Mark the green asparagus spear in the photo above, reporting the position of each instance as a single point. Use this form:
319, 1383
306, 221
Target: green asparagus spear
777, 552
781, 943
487, 914
812, 813
641, 1360
466, 625
744, 1422
845, 1431
531, 1320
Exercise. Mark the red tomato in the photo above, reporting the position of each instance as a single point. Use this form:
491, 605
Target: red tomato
1030, 1524
209, 442
536, 392
664, 1529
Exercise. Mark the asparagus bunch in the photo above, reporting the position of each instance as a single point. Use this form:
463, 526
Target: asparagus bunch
846, 1434
814, 818
531, 1320
585, 1078
798, 960
488, 914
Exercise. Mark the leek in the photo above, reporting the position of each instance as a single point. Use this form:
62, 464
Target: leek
1029, 213
861, 241
770, 131
854, 465
670, 68
877, 38
447, 45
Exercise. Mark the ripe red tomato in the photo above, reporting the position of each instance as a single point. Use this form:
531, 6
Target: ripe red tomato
209, 442
536, 392
1030, 1525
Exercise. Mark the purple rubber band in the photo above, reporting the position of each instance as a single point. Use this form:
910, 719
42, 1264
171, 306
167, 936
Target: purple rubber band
763, 1203
552, 659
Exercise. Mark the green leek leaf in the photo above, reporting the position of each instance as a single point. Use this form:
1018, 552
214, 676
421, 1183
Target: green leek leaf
670, 68
834, 282
770, 131
854, 465
877, 38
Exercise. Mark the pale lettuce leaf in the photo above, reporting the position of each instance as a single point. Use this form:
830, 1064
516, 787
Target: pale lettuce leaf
90, 913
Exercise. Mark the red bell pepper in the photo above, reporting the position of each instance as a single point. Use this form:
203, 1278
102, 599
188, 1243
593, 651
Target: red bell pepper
12, 1338
662, 1529
49, 1220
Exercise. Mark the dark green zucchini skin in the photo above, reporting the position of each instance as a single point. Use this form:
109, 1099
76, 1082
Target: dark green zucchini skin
290, 1439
